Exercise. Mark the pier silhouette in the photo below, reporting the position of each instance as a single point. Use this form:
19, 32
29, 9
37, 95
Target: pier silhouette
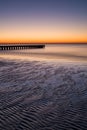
20, 46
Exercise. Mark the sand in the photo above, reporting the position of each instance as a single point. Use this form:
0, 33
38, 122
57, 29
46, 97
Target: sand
39, 95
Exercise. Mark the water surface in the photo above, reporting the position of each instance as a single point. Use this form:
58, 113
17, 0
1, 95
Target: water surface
53, 52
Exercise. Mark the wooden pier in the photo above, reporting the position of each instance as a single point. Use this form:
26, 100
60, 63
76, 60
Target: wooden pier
20, 47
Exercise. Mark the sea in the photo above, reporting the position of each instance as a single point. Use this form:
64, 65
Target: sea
64, 52
44, 89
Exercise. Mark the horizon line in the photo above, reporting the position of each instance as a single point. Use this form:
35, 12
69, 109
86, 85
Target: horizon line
43, 43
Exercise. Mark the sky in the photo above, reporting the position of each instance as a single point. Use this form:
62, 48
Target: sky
43, 21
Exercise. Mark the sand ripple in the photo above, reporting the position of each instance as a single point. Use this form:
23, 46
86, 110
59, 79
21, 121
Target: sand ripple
42, 96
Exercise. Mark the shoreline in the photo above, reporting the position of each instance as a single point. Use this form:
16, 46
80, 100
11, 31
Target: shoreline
33, 57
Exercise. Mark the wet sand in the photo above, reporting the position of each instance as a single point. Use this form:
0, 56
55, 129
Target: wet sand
40, 95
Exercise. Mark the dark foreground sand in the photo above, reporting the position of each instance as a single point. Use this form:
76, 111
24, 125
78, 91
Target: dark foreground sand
42, 96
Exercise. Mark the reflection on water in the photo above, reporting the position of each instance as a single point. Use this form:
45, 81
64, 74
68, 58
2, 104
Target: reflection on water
52, 52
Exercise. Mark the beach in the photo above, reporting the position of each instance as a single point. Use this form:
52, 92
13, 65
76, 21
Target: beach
43, 93
43, 64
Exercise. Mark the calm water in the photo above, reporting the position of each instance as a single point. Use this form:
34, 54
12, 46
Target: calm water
53, 52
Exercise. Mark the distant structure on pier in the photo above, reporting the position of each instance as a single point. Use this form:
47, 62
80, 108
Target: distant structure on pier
20, 46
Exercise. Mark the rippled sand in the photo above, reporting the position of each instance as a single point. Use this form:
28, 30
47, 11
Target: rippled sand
42, 96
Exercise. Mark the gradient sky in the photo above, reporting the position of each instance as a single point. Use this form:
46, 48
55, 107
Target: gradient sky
43, 21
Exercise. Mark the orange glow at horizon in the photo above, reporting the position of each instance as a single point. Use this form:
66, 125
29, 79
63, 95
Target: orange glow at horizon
44, 39
43, 33
68, 40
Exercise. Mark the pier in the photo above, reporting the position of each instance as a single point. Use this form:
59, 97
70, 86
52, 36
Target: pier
20, 47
